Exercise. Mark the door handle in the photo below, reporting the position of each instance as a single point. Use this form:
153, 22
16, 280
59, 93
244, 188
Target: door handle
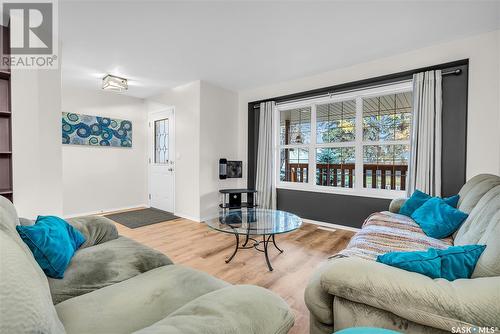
170, 169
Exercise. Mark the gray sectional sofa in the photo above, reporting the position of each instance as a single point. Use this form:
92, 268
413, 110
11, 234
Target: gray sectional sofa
352, 289
116, 285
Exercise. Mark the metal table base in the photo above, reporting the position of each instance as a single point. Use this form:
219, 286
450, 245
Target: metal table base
266, 239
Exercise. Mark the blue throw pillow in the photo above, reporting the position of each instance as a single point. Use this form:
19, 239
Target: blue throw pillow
53, 243
452, 200
418, 198
459, 261
452, 263
426, 263
437, 219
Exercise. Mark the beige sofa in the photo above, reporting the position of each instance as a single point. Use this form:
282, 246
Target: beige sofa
115, 285
351, 289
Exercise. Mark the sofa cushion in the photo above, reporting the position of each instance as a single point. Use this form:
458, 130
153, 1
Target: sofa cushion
483, 227
53, 243
137, 302
25, 302
385, 232
105, 264
242, 309
26, 221
96, 229
474, 190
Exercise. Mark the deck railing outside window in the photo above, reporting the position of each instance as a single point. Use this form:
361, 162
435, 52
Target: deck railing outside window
391, 177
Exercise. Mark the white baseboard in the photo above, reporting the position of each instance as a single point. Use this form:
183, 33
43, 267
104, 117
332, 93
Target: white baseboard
330, 225
196, 219
204, 219
188, 217
103, 211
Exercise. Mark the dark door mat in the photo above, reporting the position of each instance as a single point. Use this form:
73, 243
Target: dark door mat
142, 217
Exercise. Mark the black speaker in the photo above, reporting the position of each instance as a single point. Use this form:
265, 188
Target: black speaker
222, 169
235, 200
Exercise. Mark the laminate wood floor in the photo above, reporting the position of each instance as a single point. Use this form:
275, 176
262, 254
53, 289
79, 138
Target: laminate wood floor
195, 245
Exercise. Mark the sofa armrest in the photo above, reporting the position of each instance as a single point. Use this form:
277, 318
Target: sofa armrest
396, 204
318, 301
96, 229
436, 303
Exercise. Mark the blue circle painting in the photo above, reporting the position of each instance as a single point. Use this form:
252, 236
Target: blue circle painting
80, 129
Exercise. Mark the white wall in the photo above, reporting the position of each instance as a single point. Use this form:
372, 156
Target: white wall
186, 101
483, 52
100, 179
218, 139
36, 142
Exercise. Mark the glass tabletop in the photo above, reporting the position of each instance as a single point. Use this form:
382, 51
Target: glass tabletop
255, 222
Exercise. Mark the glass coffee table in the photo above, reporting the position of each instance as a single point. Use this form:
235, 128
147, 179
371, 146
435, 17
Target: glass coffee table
251, 224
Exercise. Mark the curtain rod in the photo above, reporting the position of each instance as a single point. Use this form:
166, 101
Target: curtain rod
454, 72
443, 73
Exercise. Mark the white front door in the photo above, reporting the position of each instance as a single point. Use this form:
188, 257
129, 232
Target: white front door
162, 160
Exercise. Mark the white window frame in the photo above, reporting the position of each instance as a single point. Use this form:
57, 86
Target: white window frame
358, 144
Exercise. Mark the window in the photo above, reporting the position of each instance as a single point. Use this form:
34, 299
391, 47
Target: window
386, 135
335, 128
161, 141
355, 142
295, 135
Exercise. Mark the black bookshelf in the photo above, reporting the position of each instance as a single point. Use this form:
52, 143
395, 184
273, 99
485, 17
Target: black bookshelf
5, 122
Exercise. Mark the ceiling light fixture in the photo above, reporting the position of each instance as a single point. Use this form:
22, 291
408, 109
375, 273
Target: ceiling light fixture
114, 83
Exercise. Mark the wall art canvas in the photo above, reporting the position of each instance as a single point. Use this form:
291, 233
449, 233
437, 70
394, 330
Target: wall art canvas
78, 129
234, 169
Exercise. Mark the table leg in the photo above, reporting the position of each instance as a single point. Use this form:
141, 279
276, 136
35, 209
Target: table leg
274, 243
235, 249
246, 238
266, 242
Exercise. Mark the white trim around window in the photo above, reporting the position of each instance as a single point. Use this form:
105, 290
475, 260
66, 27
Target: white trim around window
358, 189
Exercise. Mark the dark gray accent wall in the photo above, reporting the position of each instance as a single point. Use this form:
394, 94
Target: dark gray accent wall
253, 139
338, 209
351, 210
454, 145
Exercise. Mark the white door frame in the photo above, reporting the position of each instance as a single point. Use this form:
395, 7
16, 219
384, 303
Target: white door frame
151, 149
